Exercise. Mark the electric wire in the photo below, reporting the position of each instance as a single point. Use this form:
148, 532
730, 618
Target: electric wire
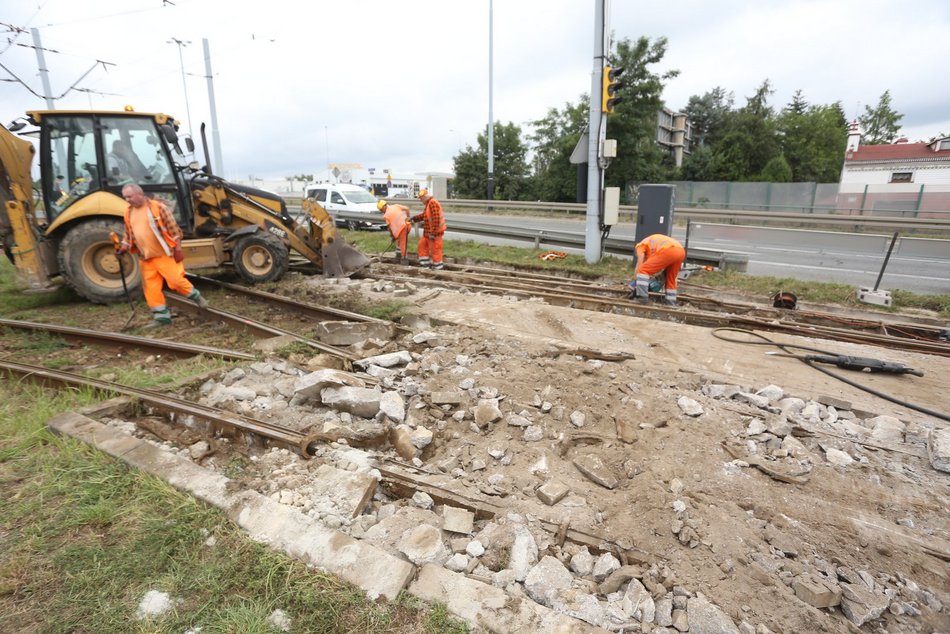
787, 346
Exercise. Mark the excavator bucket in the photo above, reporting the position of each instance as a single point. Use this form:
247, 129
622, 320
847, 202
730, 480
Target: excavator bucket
340, 259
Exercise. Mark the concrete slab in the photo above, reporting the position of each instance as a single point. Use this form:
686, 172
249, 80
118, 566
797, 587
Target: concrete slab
350, 491
376, 572
485, 606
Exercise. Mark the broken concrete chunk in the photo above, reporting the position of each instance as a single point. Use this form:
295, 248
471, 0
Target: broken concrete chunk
400, 438
663, 612
392, 405
518, 421
359, 401
837, 403
524, 551
533, 433
938, 449
838, 457
487, 412
457, 520
816, 591
422, 500
886, 429
578, 418
861, 604
349, 491
752, 399
457, 562
545, 579
445, 398
420, 437
583, 562
386, 360
425, 336
689, 406
706, 618
310, 385
347, 333
714, 390
772, 392
594, 468
605, 565
756, 427
552, 491
423, 545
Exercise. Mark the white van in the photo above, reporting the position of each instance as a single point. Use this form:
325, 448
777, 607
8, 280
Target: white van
336, 197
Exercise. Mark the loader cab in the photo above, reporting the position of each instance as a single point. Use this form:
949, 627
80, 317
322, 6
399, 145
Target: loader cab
84, 154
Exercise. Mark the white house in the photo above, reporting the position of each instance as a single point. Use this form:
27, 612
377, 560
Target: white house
899, 176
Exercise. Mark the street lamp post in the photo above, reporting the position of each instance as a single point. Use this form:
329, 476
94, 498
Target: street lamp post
184, 84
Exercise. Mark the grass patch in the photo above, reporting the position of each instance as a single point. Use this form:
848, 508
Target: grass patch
391, 310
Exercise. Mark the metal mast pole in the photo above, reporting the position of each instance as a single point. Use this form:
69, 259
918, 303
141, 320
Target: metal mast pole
184, 84
44, 72
491, 116
596, 134
215, 134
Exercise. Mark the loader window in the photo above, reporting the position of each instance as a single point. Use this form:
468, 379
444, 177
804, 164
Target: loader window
134, 152
73, 170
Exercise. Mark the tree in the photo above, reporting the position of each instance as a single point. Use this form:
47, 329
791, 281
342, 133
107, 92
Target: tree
707, 114
511, 167
747, 140
813, 140
880, 124
776, 170
554, 178
633, 123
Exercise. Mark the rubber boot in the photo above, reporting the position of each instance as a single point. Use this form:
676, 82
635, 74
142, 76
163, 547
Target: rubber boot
641, 290
161, 316
197, 298
671, 297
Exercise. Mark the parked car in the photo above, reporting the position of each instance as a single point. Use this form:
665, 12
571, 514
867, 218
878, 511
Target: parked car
350, 199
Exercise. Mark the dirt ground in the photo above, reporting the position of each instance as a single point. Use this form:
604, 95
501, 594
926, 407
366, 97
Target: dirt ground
682, 488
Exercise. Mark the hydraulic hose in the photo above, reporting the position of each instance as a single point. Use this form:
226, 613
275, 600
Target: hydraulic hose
787, 346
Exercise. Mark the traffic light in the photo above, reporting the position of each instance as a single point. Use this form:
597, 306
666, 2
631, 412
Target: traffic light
611, 84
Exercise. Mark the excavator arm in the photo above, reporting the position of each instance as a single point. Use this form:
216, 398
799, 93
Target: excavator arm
19, 234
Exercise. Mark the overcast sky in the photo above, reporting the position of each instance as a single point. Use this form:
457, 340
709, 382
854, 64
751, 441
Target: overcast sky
403, 84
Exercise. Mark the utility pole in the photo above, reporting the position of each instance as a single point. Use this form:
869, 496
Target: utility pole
491, 116
215, 135
595, 122
44, 72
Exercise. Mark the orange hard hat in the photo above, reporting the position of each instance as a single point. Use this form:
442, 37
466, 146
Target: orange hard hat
423, 192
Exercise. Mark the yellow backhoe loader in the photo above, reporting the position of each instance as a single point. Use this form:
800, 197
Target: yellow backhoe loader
85, 159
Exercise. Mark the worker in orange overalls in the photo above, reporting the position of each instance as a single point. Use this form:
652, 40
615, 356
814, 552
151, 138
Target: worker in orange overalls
151, 231
433, 227
397, 217
654, 254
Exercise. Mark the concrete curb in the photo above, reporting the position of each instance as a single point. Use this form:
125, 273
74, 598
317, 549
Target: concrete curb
375, 571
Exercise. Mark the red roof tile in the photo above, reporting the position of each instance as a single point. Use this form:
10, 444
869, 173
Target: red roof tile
895, 152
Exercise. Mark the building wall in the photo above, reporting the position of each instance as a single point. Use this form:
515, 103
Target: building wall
860, 175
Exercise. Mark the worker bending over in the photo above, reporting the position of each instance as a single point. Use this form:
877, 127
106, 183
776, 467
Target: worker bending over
654, 254
152, 233
433, 227
397, 217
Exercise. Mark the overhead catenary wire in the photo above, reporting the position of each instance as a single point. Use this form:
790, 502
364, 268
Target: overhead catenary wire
787, 348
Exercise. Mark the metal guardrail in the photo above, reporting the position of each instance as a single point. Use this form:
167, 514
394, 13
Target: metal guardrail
732, 260
831, 217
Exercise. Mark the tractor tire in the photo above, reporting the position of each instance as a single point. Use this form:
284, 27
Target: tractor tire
88, 263
260, 257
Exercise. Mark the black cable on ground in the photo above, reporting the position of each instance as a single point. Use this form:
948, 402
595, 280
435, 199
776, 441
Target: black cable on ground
787, 346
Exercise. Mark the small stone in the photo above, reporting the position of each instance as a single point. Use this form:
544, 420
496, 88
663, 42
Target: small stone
689, 406
423, 545
676, 486
755, 427
533, 433
838, 457
552, 491
422, 500
938, 449
546, 578
457, 562
679, 506
457, 520
680, 620
582, 562
578, 418
518, 421
445, 398
280, 620
475, 548
816, 591
753, 399
772, 392
594, 468
605, 565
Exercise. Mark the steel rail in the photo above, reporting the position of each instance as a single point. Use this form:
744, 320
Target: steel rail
296, 441
319, 312
600, 303
99, 336
255, 327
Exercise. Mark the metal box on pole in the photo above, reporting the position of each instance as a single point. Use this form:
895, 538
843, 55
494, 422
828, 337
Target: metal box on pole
655, 210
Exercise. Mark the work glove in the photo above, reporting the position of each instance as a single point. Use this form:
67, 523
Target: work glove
178, 255
120, 251
431, 236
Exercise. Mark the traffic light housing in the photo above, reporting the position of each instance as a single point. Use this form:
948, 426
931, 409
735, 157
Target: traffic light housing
611, 84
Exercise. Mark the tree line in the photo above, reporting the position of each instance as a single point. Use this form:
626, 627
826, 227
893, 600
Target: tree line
801, 142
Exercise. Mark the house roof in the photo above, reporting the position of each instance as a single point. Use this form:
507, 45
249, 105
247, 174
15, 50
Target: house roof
895, 152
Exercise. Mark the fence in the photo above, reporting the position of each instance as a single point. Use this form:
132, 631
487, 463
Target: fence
923, 201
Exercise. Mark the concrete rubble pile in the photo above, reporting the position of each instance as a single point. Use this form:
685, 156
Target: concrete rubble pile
460, 431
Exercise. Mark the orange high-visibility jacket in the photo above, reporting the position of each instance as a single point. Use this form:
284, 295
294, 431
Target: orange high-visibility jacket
162, 224
397, 217
651, 245
433, 221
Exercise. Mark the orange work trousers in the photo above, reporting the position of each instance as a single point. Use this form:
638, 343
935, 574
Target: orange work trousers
430, 247
402, 240
154, 271
670, 258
